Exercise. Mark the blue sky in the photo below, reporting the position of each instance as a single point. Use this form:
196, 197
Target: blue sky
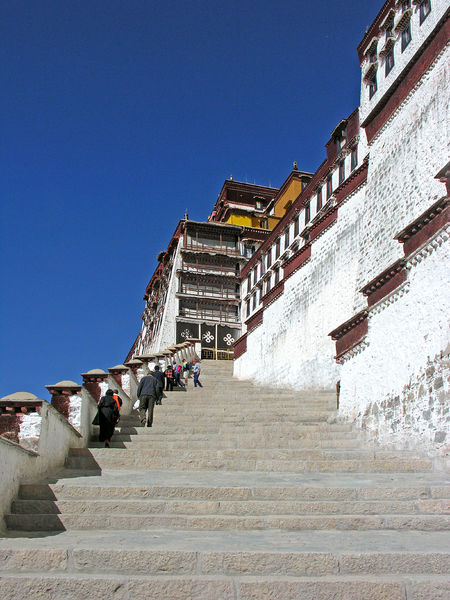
116, 116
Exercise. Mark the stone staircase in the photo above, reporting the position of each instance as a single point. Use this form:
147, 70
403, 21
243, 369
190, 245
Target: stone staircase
235, 493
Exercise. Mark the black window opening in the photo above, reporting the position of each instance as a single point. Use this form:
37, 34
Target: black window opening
254, 301
296, 226
341, 141
341, 171
264, 224
277, 276
329, 187
372, 87
354, 158
307, 213
406, 5
406, 36
319, 200
268, 285
424, 11
269, 258
277, 248
286, 238
389, 62
389, 28
247, 308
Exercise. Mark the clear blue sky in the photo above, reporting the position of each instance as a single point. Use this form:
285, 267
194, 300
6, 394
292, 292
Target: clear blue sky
115, 117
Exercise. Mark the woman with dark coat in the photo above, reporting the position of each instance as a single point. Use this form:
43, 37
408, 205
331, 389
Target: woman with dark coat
108, 415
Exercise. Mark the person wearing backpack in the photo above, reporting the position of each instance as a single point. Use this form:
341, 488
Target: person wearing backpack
169, 378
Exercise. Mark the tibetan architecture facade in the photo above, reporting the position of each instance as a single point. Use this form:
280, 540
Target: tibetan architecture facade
339, 278
350, 289
194, 292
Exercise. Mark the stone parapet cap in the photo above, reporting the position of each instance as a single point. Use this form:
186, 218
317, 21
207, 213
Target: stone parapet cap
145, 358
64, 387
94, 375
118, 369
134, 362
20, 396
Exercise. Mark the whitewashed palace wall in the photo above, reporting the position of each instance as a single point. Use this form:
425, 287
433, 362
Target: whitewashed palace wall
292, 346
398, 386
395, 384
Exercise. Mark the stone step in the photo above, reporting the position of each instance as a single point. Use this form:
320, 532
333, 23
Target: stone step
66, 521
204, 417
231, 428
214, 553
354, 490
147, 453
248, 507
161, 443
238, 432
244, 460
187, 587
137, 461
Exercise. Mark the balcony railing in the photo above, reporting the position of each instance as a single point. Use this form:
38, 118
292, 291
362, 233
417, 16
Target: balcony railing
206, 269
210, 292
209, 315
218, 249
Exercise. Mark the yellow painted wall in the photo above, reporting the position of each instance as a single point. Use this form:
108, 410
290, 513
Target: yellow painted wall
252, 221
244, 220
290, 194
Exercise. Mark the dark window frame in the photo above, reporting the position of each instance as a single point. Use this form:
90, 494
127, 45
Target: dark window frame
424, 10
373, 87
406, 36
277, 248
296, 226
389, 63
276, 276
354, 158
286, 237
329, 186
341, 171
319, 199
307, 213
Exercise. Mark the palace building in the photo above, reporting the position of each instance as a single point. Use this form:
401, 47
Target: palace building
350, 289
195, 289
339, 278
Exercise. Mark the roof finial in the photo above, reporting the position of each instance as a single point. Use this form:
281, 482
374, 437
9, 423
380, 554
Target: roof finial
295, 165
186, 216
231, 177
